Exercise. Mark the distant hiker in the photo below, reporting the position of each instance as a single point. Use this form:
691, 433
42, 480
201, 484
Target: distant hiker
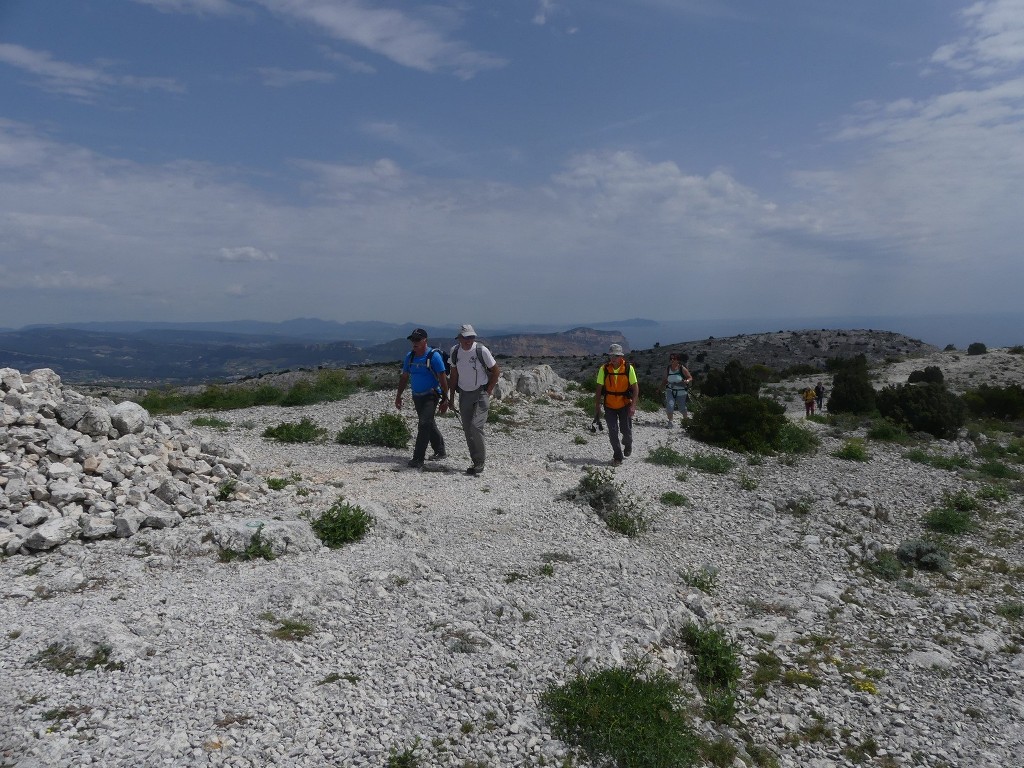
677, 385
808, 395
618, 390
819, 395
474, 375
424, 368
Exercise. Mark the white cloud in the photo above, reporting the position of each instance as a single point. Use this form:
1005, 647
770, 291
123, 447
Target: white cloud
81, 82
994, 39
274, 77
246, 253
420, 42
216, 7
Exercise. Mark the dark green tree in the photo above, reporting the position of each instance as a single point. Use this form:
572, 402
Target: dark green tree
851, 387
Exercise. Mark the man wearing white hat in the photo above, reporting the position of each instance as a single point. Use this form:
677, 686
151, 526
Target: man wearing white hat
619, 392
474, 375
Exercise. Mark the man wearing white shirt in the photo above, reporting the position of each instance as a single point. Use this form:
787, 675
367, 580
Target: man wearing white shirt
474, 375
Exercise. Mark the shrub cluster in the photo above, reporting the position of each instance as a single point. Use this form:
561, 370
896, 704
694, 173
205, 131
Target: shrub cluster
341, 524
996, 402
734, 379
600, 491
851, 387
926, 407
977, 348
932, 374
388, 430
739, 423
328, 386
305, 431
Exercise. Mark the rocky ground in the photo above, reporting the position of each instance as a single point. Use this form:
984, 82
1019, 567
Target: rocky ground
437, 633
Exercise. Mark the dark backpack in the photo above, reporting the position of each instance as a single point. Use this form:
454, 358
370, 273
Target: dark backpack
479, 356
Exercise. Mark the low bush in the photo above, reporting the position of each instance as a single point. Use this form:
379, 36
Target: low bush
258, 548
853, 450
624, 716
851, 386
716, 669
977, 348
949, 520
925, 555
304, 431
739, 423
341, 524
794, 439
710, 463
326, 387
734, 379
927, 408
930, 375
996, 402
937, 461
665, 456
887, 431
387, 429
599, 490
674, 499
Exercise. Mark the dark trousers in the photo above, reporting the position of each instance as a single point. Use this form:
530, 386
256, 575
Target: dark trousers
427, 433
473, 408
618, 419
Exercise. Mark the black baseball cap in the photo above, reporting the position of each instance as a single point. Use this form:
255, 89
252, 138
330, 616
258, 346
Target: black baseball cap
418, 335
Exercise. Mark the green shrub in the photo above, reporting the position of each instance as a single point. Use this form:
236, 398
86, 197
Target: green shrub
925, 555
328, 386
734, 379
624, 716
886, 565
710, 463
600, 491
977, 348
258, 548
665, 456
225, 490
739, 423
993, 493
794, 439
717, 669
305, 431
887, 431
341, 524
853, 450
949, 520
927, 408
996, 402
674, 499
1012, 611
937, 461
210, 421
387, 429
851, 386
930, 375
998, 470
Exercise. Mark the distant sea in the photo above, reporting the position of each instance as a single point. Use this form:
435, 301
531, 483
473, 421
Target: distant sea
994, 330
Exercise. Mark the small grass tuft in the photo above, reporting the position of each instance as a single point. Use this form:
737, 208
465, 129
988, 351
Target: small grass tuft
674, 499
853, 450
303, 431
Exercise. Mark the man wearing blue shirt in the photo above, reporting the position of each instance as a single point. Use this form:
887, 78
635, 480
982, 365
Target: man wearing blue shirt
423, 370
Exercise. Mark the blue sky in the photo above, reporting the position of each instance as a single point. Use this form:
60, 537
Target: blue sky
546, 161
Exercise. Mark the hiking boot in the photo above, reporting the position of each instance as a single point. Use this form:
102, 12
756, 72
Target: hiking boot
475, 470
627, 450
415, 463
616, 462
438, 456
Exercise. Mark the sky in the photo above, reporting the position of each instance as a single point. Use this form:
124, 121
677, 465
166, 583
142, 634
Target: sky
521, 161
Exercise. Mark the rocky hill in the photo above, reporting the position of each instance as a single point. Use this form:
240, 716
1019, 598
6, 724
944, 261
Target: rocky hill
146, 642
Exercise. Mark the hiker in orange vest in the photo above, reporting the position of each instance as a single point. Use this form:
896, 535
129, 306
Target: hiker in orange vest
618, 390
809, 396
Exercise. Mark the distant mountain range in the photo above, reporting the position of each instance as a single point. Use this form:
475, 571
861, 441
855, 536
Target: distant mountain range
149, 354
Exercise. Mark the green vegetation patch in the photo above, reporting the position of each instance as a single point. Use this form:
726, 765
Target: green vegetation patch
599, 490
387, 429
624, 716
304, 431
60, 657
853, 450
342, 524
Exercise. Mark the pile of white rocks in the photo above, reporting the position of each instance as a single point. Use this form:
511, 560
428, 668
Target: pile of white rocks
75, 467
